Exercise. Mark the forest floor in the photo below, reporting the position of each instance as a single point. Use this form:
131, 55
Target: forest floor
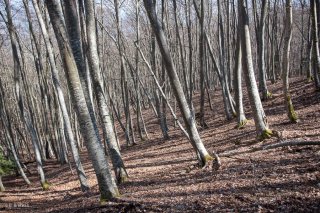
164, 178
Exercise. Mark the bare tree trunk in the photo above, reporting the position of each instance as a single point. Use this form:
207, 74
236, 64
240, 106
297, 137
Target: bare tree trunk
260, 118
315, 43
107, 186
93, 59
285, 63
2, 189
62, 103
241, 118
177, 88
24, 114
261, 51
9, 131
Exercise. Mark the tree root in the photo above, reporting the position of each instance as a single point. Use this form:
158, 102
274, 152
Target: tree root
216, 164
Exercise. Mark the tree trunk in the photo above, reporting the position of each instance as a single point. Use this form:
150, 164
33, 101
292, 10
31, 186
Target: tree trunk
66, 120
2, 189
285, 63
241, 118
261, 51
315, 44
260, 118
177, 88
93, 59
107, 186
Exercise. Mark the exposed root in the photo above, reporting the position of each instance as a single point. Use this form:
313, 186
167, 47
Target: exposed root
216, 164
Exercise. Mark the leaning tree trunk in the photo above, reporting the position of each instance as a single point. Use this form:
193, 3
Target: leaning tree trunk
24, 114
176, 85
93, 59
259, 116
285, 63
107, 186
56, 81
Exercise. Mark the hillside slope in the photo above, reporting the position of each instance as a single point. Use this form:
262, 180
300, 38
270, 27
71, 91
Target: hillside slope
164, 178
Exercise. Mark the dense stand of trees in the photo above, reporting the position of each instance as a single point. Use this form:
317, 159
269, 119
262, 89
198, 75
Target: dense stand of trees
69, 69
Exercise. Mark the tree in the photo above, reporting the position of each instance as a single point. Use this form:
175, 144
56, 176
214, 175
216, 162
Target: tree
107, 186
25, 114
261, 50
259, 116
93, 59
189, 121
285, 63
315, 43
241, 118
56, 81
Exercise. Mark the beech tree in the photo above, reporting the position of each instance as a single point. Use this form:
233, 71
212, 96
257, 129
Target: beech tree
107, 186
189, 121
259, 116
286, 68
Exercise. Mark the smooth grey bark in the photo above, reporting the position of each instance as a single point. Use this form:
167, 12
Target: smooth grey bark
159, 110
261, 51
2, 189
181, 50
202, 61
66, 119
124, 81
241, 118
107, 186
24, 114
190, 123
259, 116
93, 59
285, 62
136, 80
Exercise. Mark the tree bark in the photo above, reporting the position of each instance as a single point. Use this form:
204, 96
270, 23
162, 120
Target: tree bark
177, 88
107, 186
259, 116
285, 63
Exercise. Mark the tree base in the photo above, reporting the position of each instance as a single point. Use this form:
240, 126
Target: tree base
205, 161
292, 115
122, 177
242, 124
106, 198
267, 133
45, 186
310, 79
266, 96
